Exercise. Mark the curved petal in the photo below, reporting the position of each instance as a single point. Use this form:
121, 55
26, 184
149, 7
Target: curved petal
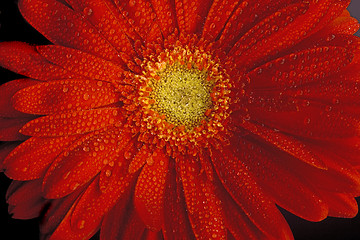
149, 190
64, 95
293, 193
73, 123
97, 12
249, 196
340, 205
63, 26
7, 91
203, 204
31, 159
176, 221
24, 59
284, 30
34, 204
191, 14
10, 128
82, 161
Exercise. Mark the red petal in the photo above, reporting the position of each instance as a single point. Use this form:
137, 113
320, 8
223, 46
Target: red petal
285, 143
236, 220
339, 177
82, 161
310, 120
245, 16
149, 191
176, 220
191, 14
7, 91
10, 127
25, 60
203, 205
26, 202
57, 211
300, 68
31, 159
129, 225
64, 95
63, 26
166, 15
140, 159
98, 14
150, 235
5, 149
141, 17
288, 191
73, 123
82, 64
340, 205
82, 220
249, 196
65, 230
217, 17
284, 31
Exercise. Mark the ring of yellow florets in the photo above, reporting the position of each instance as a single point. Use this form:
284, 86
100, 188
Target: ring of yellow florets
183, 99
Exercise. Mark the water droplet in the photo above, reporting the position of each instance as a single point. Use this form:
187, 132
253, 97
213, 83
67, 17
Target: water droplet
81, 224
88, 11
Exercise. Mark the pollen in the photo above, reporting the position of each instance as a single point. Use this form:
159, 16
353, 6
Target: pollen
183, 95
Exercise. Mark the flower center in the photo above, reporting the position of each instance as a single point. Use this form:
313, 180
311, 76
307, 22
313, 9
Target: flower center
182, 100
183, 95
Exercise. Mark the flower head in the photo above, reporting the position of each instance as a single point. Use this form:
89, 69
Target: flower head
177, 119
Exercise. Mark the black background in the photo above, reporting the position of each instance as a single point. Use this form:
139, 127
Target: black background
14, 28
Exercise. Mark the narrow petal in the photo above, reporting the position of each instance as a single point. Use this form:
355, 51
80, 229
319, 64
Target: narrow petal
300, 68
7, 91
64, 95
57, 210
236, 221
82, 64
216, 19
149, 190
31, 208
140, 159
165, 15
111, 165
309, 120
191, 14
249, 196
288, 191
31, 159
5, 150
24, 59
97, 13
340, 205
203, 205
10, 128
339, 177
82, 161
63, 26
65, 231
287, 27
82, 220
176, 220
286, 143
73, 123
129, 227
141, 17
245, 16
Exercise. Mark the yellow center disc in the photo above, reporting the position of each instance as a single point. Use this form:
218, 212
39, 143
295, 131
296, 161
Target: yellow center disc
183, 95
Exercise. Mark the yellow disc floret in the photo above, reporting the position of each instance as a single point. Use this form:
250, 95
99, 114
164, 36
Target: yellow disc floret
183, 95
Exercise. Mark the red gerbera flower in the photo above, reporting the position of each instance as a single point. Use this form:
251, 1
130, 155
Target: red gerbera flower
177, 119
